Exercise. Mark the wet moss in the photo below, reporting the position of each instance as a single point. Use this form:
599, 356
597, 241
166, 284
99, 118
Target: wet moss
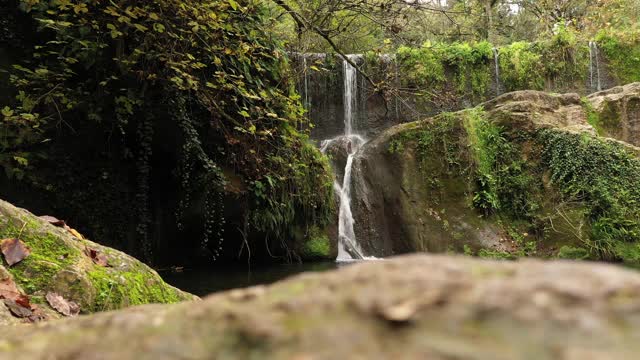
317, 246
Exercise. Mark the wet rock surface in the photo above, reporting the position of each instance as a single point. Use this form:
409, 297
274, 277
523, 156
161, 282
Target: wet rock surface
435, 307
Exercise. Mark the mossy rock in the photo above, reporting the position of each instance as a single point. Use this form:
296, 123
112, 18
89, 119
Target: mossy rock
524, 174
58, 263
617, 111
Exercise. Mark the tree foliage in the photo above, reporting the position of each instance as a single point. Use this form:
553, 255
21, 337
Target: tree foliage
206, 68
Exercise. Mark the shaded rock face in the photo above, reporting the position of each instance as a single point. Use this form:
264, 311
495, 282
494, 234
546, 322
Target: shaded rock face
398, 210
432, 307
618, 112
411, 196
60, 262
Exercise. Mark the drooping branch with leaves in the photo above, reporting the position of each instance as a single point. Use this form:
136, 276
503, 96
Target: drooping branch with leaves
205, 68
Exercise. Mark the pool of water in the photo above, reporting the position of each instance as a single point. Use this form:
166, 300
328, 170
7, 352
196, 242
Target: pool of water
204, 281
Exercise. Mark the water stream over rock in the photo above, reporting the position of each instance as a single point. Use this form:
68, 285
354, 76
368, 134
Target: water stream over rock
594, 67
351, 143
496, 60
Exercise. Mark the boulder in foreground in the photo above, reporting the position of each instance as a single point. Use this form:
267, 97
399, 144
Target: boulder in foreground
416, 307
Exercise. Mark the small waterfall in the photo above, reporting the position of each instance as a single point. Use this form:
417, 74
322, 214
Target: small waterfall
350, 94
306, 103
594, 66
496, 60
348, 247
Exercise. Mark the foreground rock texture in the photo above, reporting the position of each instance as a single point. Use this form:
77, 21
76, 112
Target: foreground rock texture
522, 174
431, 307
61, 263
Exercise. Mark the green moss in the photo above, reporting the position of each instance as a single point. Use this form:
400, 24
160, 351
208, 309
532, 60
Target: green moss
116, 289
496, 254
573, 253
593, 118
49, 255
317, 246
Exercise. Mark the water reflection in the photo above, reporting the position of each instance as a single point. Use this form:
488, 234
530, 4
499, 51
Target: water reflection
204, 281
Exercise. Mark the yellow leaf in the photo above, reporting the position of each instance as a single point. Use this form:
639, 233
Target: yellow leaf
80, 8
75, 233
141, 27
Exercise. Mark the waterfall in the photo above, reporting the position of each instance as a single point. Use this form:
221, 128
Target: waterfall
497, 71
594, 66
350, 94
307, 104
348, 247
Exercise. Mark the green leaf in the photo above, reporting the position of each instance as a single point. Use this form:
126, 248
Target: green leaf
22, 161
7, 112
141, 27
234, 5
245, 114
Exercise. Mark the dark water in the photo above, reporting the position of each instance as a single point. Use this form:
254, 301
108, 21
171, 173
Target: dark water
204, 281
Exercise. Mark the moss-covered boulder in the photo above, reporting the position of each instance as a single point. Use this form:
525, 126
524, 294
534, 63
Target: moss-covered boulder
616, 112
419, 307
523, 174
95, 277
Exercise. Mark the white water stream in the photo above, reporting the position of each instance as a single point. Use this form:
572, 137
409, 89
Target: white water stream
348, 247
594, 66
496, 60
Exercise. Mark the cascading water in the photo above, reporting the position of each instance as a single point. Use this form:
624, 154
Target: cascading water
594, 66
496, 60
306, 104
348, 247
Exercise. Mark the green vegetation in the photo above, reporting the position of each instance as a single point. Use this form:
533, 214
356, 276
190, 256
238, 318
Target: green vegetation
573, 253
603, 176
537, 185
58, 263
317, 246
502, 176
467, 69
118, 289
621, 49
108, 83
49, 255
427, 67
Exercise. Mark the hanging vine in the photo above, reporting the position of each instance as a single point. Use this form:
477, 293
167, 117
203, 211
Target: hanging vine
229, 93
